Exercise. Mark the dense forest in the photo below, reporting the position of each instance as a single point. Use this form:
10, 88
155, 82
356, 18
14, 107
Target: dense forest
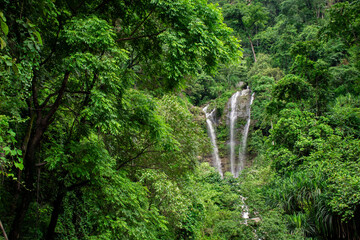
103, 119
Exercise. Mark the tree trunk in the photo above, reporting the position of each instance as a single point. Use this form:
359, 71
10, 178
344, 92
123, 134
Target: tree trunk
42, 123
252, 48
28, 193
20, 215
50, 235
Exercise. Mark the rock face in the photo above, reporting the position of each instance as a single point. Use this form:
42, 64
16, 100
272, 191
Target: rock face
231, 133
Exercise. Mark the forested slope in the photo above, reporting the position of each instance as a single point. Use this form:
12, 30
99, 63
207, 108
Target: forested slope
102, 131
302, 62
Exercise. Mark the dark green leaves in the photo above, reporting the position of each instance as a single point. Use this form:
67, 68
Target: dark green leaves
291, 88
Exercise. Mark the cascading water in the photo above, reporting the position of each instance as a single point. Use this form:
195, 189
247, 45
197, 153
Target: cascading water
245, 212
211, 131
242, 151
239, 105
233, 116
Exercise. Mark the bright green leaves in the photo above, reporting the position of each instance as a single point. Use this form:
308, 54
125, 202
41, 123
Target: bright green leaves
154, 132
165, 195
186, 137
89, 34
245, 17
85, 160
345, 114
338, 160
126, 211
197, 38
343, 169
299, 133
115, 207
292, 90
3, 43
92, 49
10, 156
318, 166
4, 26
84, 77
89, 160
4, 29
142, 116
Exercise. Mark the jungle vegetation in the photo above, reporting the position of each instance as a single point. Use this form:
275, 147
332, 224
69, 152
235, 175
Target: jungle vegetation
102, 135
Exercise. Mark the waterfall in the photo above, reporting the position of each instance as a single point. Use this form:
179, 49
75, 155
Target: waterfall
242, 151
239, 106
211, 131
233, 116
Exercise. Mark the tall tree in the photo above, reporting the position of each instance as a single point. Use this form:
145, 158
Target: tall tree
246, 18
68, 65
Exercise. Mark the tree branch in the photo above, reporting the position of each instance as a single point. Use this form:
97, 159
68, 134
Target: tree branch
3, 230
78, 92
34, 92
132, 159
77, 185
40, 164
142, 22
59, 97
53, 49
47, 99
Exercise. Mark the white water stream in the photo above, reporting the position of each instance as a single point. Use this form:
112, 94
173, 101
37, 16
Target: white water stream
212, 135
242, 149
233, 116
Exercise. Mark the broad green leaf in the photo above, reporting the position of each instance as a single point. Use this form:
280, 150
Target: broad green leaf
13, 152
2, 17
19, 165
6, 150
11, 133
4, 27
3, 43
37, 34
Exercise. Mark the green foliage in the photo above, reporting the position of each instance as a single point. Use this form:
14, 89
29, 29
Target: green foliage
216, 207
263, 68
205, 88
245, 18
292, 88
10, 156
316, 166
87, 87
108, 151
118, 208
276, 40
4, 29
305, 123
344, 22
345, 114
